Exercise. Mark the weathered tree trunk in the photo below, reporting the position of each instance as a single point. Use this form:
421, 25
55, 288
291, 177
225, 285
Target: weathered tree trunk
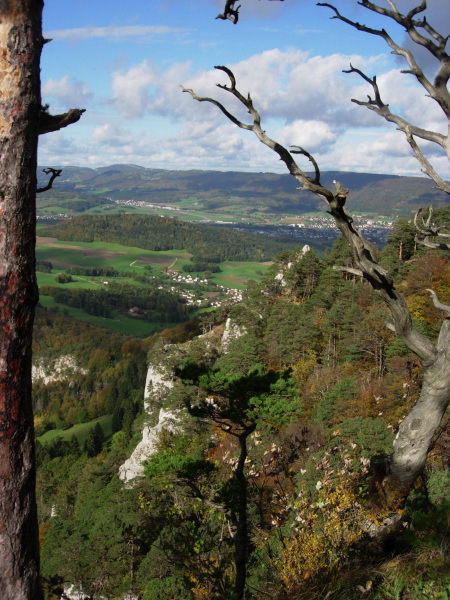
416, 431
21, 44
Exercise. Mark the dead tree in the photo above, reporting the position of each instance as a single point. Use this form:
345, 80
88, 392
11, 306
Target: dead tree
416, 431
428, 232
20, 110
425, 36
229, 12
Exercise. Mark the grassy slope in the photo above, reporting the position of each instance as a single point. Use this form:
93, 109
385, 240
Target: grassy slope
80, 431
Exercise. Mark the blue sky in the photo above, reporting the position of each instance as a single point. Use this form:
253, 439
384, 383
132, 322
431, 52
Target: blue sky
124, 63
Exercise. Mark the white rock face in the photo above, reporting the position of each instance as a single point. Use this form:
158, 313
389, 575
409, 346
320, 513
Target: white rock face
230, 333
157, 384
63, 368
71, 592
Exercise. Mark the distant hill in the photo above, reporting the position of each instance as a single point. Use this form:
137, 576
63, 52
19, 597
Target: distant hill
80, 189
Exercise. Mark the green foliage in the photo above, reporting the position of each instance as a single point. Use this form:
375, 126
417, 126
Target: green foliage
403, 239
44, 266
95, 271
280, 405
438, 483
94, 441
199, 266
166, 463
63, 278
167, 588
243, 355
327, 406
290, 332
284, 429
303, 273
371, 435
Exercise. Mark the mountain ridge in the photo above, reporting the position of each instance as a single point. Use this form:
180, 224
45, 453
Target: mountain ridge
233, 192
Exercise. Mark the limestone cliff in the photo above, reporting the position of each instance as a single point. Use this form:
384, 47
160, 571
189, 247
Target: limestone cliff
159, 382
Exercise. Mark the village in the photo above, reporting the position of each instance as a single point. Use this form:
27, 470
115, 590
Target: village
214, 295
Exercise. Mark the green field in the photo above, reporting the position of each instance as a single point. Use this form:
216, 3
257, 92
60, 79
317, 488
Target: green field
133, 264
102, 254
121, 324
238, 274
80, 430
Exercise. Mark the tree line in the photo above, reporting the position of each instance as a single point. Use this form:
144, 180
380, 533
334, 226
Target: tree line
207, 243
155, 304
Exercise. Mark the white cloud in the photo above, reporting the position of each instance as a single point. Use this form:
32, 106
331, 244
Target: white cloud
289, 85
58, 149
145, 89
303, 100
119, 32
316, 136
391, 144
111, 135
67, 91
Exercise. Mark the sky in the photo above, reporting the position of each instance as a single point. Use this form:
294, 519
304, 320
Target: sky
124, 63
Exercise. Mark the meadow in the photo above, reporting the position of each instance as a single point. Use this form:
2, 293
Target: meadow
137, 267
80, 431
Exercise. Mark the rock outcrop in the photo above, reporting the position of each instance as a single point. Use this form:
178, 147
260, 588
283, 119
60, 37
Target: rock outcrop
158, 384
62, 368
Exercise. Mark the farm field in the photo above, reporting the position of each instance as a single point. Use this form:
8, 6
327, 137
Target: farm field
143, 269
103, 254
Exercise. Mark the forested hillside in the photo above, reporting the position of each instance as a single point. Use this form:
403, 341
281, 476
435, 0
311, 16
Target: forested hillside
207, 243
80, 189
268, 475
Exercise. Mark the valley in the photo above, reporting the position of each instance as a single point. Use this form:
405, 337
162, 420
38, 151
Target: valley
226, 197
193, 380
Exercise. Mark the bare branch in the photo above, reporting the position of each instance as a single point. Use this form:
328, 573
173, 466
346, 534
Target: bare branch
230, 13
284, 154
437, 302
49, 123
435, 44
350, 270
364, 257
311, 158
428, 168
377, 105
429, 229
54, 174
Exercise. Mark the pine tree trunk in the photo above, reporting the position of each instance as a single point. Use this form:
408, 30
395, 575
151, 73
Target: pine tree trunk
21, 43
239, 517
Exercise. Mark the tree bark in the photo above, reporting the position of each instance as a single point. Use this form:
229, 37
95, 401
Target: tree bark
239, 517
416, 431
21, 44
